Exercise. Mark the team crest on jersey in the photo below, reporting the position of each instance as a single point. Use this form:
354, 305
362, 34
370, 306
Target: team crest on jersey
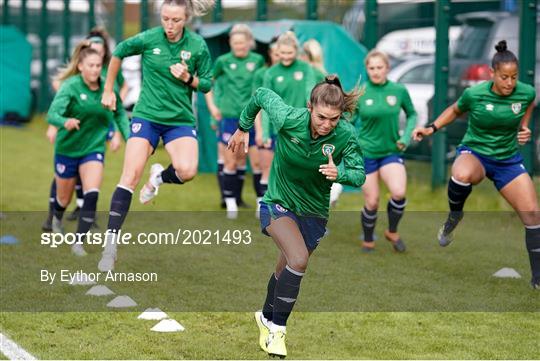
250, 66
135, 127
281, 208
369, 101
391, 100
516, 108
84, 97
185, 55
298, 75
328, 149
156, 51
280, 79
60, 168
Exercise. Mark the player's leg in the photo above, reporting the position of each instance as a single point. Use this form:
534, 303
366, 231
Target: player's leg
255, 161
47, 224
467, 171
91, 175
370, 189
137, 152
521, 195
394, 176
221, 148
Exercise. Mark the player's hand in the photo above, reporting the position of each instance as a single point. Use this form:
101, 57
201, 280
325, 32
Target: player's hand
51, 133
524, 135
72, 123
329, 170
259, 141
116, 142
268, 143
419, 133
215, 112
401, 146
238, 141
108, 100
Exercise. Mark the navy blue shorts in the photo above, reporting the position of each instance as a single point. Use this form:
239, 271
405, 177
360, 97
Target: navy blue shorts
228, 126
68, 167
312, 228
142, 128
372, 165
500, 172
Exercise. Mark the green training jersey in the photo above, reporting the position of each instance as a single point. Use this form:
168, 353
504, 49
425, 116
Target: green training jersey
318, 75
258, 78
378, 109
118, 83
292, 83
494, 120
76, 100
165, 99
233, 78
295, 181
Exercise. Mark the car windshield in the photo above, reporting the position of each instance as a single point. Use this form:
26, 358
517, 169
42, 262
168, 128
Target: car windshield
472, 40
421, 74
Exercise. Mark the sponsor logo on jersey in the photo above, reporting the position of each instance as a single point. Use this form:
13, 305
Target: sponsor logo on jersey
489, 107
298, 75
369, 101
280, 79
250, 66
83, 96
135, 127
185, 55
60, 168
516, 108
281, 208
391, 100
156, 51
328, 149
233, 66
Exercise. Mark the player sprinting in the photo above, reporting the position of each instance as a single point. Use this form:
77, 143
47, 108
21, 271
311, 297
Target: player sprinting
499, 114
82, 125
234, 73
294, 210
379, 109
175, 62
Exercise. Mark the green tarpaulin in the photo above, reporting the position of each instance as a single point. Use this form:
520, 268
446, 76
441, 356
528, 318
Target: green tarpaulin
15, 60
342, 55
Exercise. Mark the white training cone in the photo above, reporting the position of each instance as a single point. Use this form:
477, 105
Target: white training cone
99, 290
152, 314
122, 302
507, 273
82, 279
168, 326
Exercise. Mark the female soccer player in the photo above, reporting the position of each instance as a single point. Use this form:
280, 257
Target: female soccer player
175, 62
233, 85
294, 211
99, 40
499, 114
82, 125
381, 143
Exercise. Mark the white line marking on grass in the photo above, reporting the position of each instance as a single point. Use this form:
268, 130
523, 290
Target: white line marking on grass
13, 351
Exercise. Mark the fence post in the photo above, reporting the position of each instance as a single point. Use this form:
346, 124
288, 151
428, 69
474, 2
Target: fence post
371, 25
91, 14
311, 10
24, 16
527, 56
217, 15
119, 21
44, 78
66, 29
144, 15
262, 11
5, 14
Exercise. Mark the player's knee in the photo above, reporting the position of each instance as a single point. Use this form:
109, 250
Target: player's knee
529, 214
298, 262
130, 179
463, 176
63, 199
372, 203
398, 194
186, 172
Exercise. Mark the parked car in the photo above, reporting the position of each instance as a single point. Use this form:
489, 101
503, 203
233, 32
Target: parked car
418, 77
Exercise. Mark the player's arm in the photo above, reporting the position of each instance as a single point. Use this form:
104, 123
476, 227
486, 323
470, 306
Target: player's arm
410, 112
525, 133
351, 170
59, 106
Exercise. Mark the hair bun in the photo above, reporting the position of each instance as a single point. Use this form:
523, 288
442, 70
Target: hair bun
501, 46
332, 79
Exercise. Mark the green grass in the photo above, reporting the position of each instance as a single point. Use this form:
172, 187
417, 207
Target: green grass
352, 306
